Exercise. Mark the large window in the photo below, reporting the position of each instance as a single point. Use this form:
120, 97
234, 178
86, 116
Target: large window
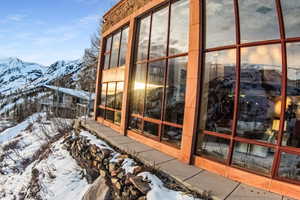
251, 69
111, 101
158, 89
115, 49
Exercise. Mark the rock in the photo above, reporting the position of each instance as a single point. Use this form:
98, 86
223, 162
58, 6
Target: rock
99, 190
103, 173
106, 152
137, 170
112, 167
121, 175
140, 184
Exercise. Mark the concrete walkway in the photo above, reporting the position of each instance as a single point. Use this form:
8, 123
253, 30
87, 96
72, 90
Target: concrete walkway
194, 178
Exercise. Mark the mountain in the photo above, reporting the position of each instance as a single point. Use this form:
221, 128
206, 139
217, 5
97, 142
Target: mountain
16, 75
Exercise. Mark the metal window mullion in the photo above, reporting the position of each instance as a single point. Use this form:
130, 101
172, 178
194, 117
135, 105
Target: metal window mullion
237, 81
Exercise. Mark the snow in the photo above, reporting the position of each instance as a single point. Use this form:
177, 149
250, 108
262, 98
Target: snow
14, 131
77, 93
158, 190
60, 177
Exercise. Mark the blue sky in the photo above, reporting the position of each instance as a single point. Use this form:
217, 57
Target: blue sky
44, 31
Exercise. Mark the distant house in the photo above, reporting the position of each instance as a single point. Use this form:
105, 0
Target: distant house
66, 100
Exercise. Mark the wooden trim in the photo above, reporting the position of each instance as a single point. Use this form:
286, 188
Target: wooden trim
248, 178
167, 149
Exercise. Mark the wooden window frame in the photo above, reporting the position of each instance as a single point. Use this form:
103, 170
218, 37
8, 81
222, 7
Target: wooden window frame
283, 41
160, 122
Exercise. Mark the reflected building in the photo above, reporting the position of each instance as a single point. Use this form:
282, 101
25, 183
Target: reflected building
214, 83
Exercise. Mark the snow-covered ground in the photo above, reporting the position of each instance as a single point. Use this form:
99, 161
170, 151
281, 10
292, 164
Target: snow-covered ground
21, 152
35, 166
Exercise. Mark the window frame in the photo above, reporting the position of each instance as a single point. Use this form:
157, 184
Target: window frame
278, 148
160, 122
109, 53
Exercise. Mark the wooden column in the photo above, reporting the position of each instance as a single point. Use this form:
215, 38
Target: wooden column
128, 69
98, 78
192, 87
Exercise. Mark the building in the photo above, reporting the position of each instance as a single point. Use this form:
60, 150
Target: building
214, 83
66, 102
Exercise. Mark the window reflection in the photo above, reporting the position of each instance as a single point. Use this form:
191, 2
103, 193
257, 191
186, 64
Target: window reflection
179, 34
214, 147
289, 166
106, 61
119, 95
217, 103
108, 45
258, 20
115, 50
253, 157
292, 131
117, 118
175, 90
143, 38
136, 124
151, 128
220, 23
139, 85
291, 14
110, 98
159, 34
123, 47
103, 94
109, 115
154, 90
260, 93
172, 135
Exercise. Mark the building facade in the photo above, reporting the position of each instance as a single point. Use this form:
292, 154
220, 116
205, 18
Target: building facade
214, 83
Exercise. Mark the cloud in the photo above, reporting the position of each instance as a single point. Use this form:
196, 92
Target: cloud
13, 18
89, 19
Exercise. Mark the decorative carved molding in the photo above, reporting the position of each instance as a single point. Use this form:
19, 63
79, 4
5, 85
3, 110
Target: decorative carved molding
120, 11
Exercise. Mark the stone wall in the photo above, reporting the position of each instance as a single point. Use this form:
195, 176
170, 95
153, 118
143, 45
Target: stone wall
96, 161
123, 9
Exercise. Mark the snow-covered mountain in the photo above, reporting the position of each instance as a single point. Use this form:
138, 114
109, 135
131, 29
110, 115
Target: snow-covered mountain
16, 74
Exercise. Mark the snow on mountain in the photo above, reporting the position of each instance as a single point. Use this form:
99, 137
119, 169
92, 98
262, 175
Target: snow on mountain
16, 74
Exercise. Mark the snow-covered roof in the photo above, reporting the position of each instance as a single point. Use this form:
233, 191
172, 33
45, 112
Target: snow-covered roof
72, 92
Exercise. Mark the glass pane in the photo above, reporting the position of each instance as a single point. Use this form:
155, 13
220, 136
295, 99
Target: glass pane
118, 118
108, 44
106, 61
260, 93
220, 23
159, 33
138, 93
115, 50
119, 95
151, 128
135, 124
143, 39
101, 112
154, 91
103, 94
258, 20
218, 91
109, 115
291, 14
289, 166
179, 27
214, 147
111, 92
123, 48
253, 157
175, 89
292, 127
172, 135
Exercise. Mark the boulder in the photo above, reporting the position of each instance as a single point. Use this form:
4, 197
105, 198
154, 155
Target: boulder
99, 190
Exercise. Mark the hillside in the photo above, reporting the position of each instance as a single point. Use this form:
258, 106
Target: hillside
17, 75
